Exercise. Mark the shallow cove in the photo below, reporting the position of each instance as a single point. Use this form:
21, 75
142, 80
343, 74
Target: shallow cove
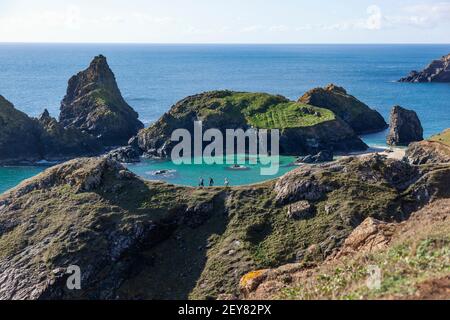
189, 174
186, 174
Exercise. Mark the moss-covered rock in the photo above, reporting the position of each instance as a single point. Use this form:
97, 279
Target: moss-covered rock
19, 135
57, 142
94, 104
25, 140
355, 113
304, 128
147, 240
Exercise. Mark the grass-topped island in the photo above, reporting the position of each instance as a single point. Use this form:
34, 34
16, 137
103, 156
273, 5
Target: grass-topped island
304, 129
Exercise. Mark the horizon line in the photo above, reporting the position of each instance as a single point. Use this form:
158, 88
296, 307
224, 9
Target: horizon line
227, 43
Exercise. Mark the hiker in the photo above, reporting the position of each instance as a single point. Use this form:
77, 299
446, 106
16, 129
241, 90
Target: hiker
211, 182
201, 183
227, 183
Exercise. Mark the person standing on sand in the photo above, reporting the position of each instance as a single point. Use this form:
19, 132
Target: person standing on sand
211, 182
226, 182
201, 183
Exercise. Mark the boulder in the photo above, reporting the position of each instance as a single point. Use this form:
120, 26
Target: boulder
436, 71
355, 113
300, 210
405, 127
94, 104
126, 154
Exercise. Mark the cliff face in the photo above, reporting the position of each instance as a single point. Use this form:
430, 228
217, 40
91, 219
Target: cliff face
303, 128
436, 71
94, 105
18, 135
94, 116
57, 142
433, 150
147, 240
405, 127
27, 140
355, 113
411, 256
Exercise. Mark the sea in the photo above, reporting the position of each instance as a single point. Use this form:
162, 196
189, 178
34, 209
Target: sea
152, 77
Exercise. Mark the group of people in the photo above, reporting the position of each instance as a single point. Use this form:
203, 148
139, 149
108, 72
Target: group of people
201, 182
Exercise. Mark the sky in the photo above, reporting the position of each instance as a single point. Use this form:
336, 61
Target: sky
226, 21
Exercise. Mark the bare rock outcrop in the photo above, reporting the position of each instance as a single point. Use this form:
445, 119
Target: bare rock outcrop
94, 104
405, 127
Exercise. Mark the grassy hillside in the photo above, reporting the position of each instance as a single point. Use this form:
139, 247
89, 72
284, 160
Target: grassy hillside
443, 137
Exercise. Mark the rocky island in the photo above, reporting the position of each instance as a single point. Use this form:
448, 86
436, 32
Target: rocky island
436, 71
94, 117
304, 128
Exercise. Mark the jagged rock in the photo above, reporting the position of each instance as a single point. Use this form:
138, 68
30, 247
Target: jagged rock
299, 185
25, 139
58, 143
300, 210
436, 71
405, 127
233, 110
369, 236
433, 150
18, 135
126, 154
322, 156
94, 104
355, 113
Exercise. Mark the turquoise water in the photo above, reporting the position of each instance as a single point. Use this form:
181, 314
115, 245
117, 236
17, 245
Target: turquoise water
189, 174
153, 77
11, 176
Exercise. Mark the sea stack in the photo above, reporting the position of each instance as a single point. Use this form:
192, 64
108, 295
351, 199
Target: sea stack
360, 117
405, 127
436, 71
94, 104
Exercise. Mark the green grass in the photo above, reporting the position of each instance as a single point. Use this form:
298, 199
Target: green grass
261, 110
290, 115
403, 267
443, 137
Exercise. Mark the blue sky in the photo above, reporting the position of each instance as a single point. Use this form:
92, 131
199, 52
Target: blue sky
230, 21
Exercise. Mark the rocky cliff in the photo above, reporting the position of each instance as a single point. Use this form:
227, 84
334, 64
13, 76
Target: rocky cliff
355, 113
303, 128
147, 240
435, 149
94, 104
58, 142
19, 135
93, 116
436, 71
404, 128
25, 140
412, 257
